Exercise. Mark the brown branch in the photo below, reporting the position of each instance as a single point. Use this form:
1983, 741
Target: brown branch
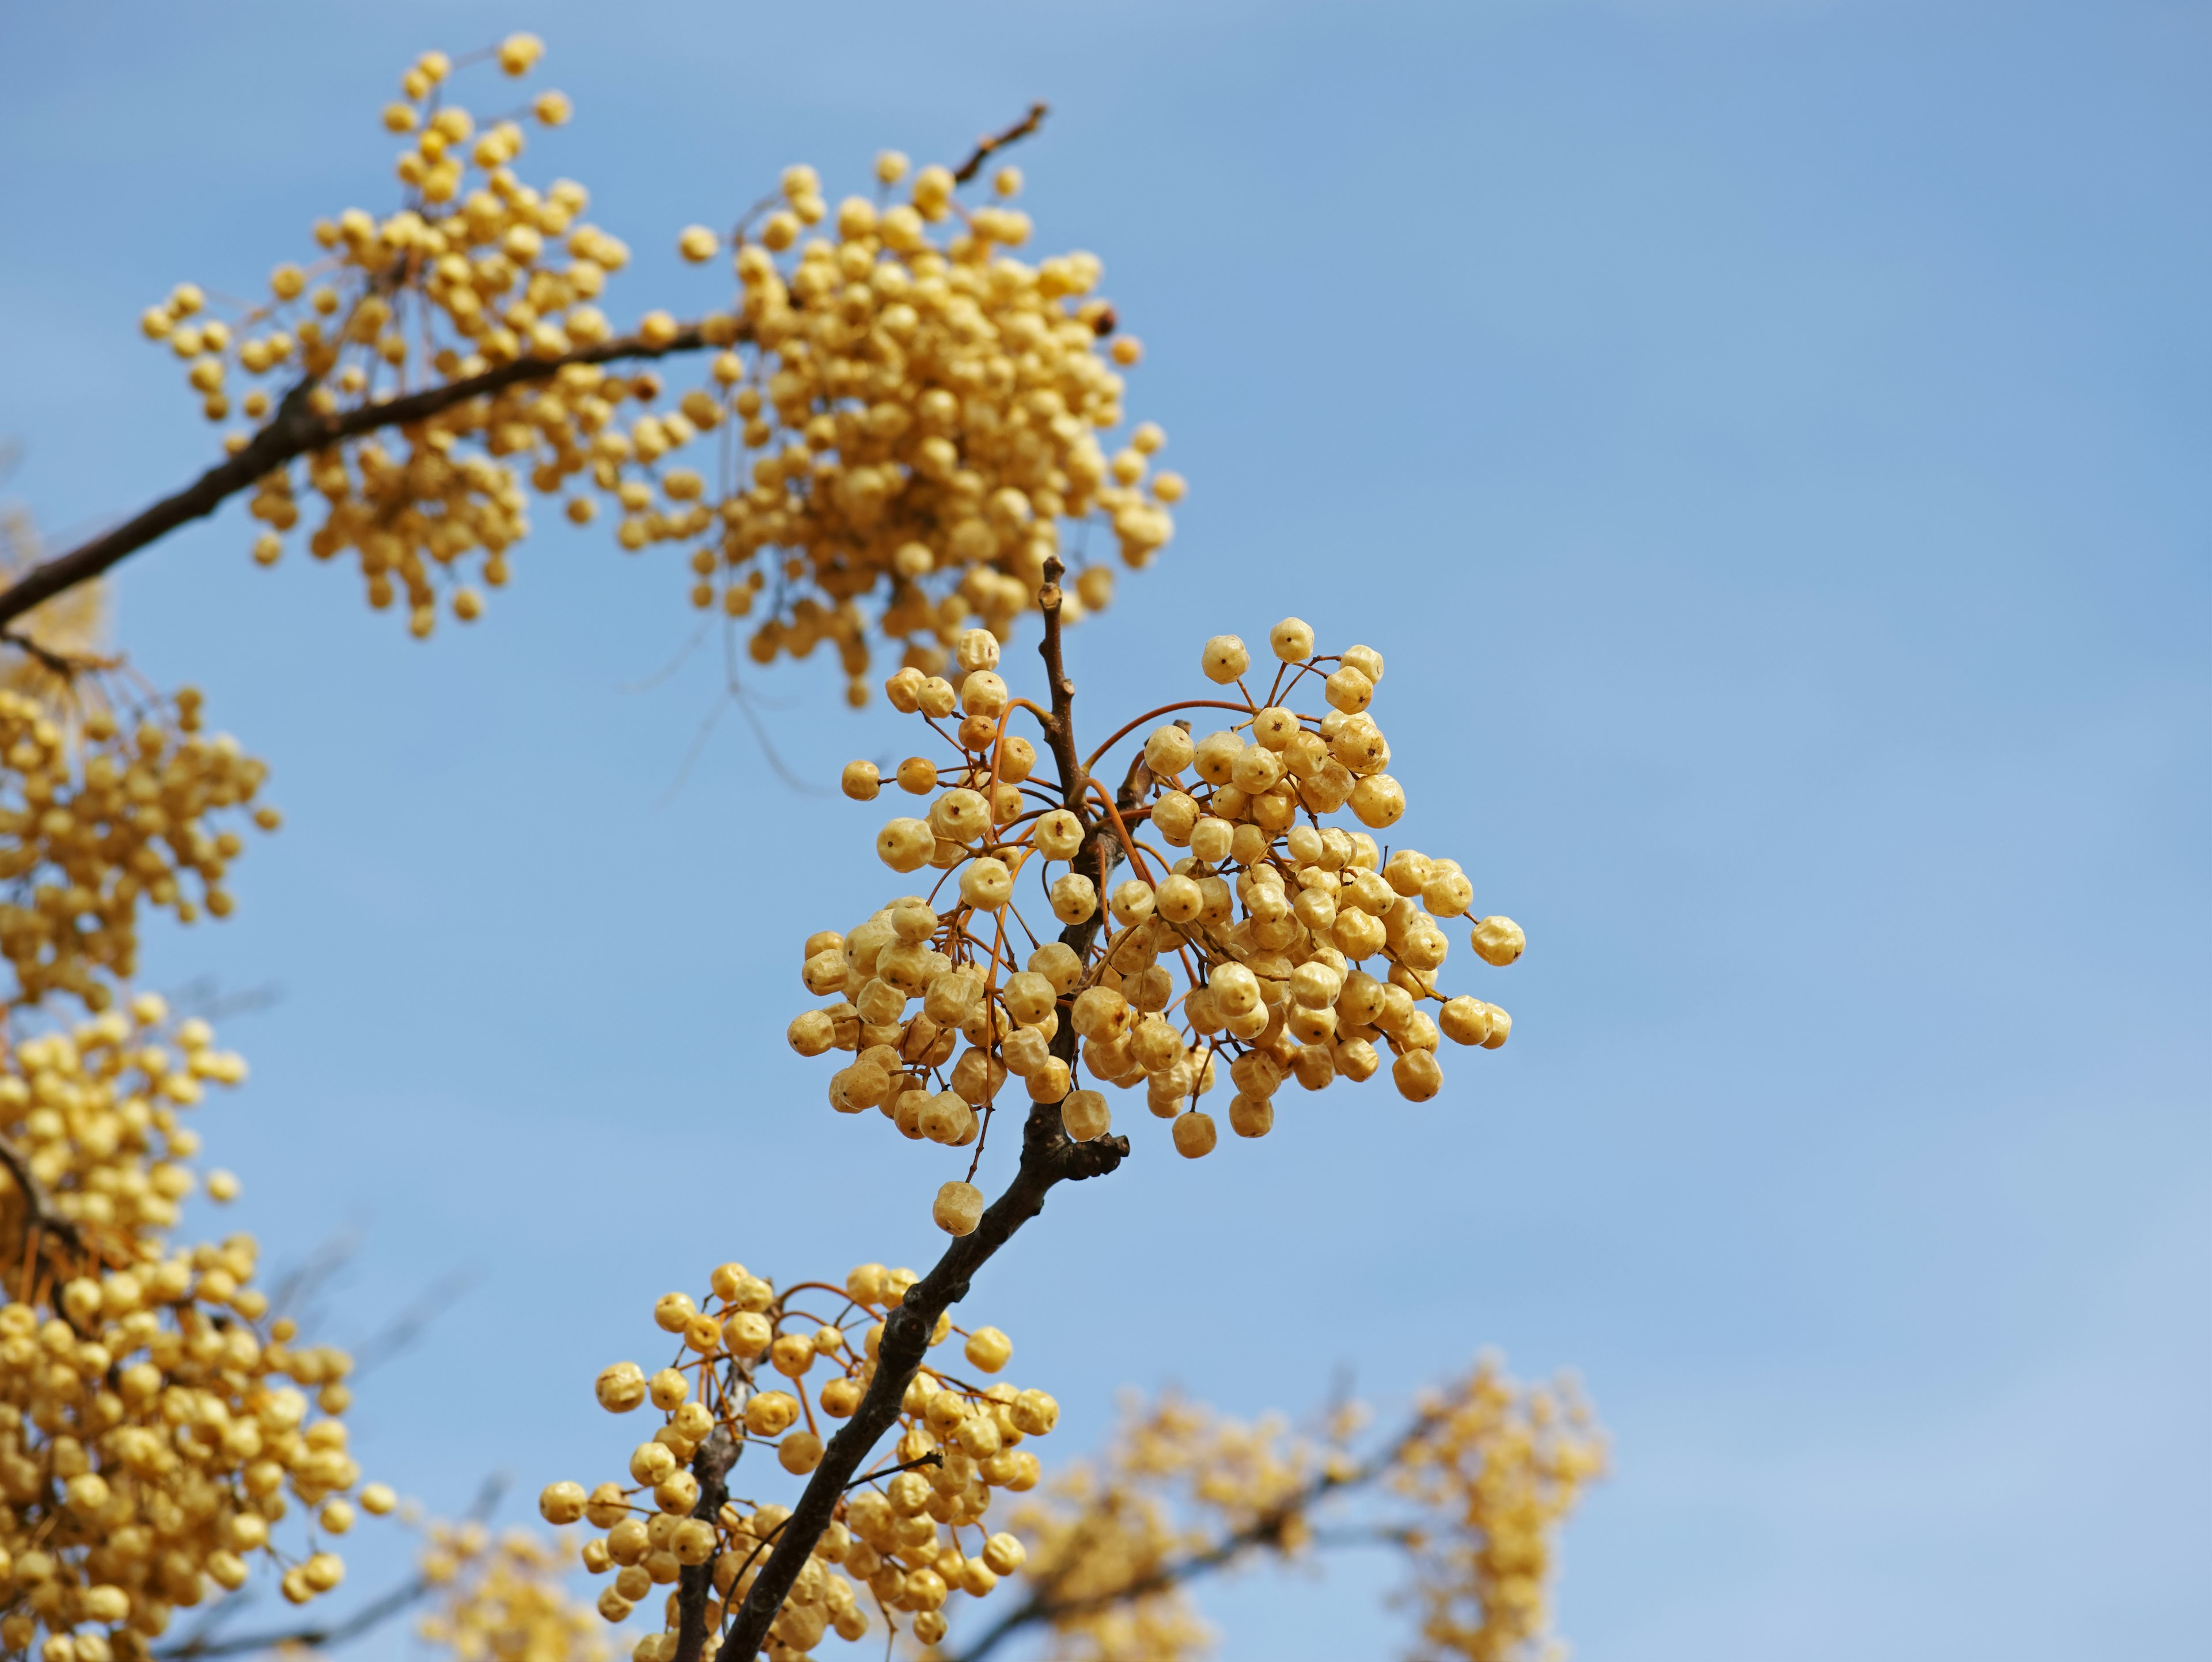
1049, 1156
1099, 839
57, 663
695, 1588
293, 431
1266, 1529
987, 146
1059, 729
38, 1212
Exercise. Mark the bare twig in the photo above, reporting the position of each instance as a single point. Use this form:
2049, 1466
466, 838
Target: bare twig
990, 144
299, 1284
203, 996
1060, 730
399, 1334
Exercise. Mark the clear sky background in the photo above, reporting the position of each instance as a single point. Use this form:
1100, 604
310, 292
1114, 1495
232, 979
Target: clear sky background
1769, 442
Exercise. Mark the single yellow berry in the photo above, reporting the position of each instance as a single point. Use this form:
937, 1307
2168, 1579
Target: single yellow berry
958, 1208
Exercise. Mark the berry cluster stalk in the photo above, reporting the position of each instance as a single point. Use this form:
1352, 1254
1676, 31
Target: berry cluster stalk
1049, 1156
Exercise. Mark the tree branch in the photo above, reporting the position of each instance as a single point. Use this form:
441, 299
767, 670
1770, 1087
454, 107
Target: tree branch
296, 429
57, 663
1099, 841
291, 433
38, 1212
1048, 1157
372, 1615
695, 1588
1266, 1529
934, 1457
1059, 731
987, 147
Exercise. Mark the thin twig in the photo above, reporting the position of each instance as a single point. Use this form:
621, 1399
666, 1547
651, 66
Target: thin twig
59, 663
990, 144
399, 1334
299, 1284
934, 1457
203, 996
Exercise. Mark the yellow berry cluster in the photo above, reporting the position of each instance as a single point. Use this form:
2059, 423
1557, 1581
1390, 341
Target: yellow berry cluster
475, 270
91, 1113
1493, 1467
901, 1542
1497, 1467
922, 411
503, 1597
101, 807
1247, 946
152, 1418
906, 413
1106, 1535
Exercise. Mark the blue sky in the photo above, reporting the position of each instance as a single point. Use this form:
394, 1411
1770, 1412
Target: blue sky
1767, 442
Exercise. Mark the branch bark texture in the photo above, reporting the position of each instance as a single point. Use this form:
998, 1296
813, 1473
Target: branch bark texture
695, 1588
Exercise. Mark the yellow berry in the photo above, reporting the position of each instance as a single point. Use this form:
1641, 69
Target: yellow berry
958, 1208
